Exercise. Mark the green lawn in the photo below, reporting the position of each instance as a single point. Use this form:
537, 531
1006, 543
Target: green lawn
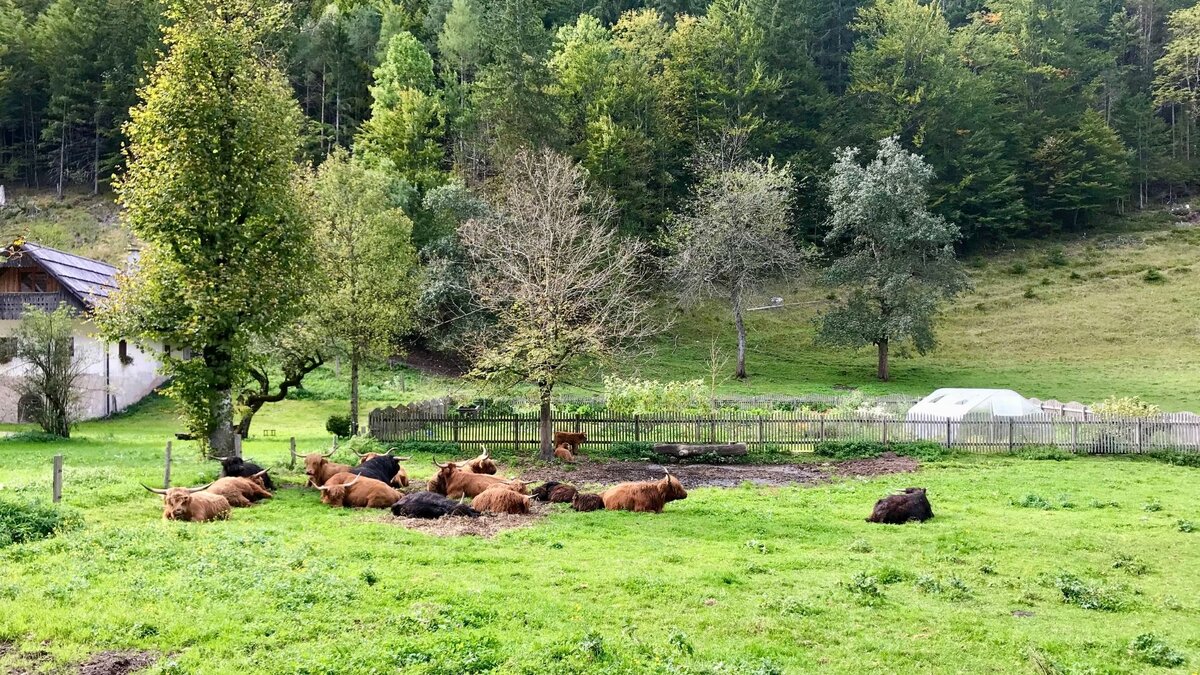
746, 580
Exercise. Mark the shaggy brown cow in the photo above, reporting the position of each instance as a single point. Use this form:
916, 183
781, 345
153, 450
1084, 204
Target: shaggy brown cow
360, 492
648, 495
319, 469
401, 477
571, 439
482, 464
456, 483
912, 504
584, 501
562, 494
541, 493
240, 491
192, 504
497, 499
563, 452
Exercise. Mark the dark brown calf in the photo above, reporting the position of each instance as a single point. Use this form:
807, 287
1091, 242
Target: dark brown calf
587, 502
912, 504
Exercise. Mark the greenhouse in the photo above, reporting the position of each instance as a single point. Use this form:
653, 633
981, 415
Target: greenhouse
965, 416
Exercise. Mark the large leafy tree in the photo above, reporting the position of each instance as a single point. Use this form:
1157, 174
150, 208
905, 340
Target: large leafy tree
897, 262
211, 191
565, 289
734, 234
367, 287
53, 371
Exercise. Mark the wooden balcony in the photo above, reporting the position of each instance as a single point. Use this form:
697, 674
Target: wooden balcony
12, 305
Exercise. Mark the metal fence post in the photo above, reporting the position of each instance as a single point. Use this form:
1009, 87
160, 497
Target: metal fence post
58, 478
167, 468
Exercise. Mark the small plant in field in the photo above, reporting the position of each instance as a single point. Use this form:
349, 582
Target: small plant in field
1172, 603
679, 640
370, 577
1075, 276
22, 522
988, 567
1076, 591
1056, 257
1149, 648
1029, 294
890, 575
957, 589
1032, 501
592, 645
1153, 276
1097, 504
758, 546
860, 546
865, 587
1152, 506
1185, 526
1130, 565
1046, 281
1016, 269
927, 583
1044, 452
1065, 502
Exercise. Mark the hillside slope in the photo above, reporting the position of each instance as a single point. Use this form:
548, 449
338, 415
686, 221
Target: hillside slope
79, 223
1079, 319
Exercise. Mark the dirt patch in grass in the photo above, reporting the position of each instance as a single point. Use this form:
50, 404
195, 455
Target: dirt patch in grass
117, 663
26, 662
488, 525
587, 473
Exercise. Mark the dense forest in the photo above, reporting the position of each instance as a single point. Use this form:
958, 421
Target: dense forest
1036, 115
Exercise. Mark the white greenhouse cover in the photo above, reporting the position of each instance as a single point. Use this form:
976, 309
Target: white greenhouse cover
958, 403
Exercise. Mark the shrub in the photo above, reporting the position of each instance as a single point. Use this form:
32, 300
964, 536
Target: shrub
1046, 281
1032, 501
1185, 526
32, 437
860, 546
1044, 452
1149, 648
1075, 276
338, 425
926, 450
636, 397
1056, 257
1075, 591
1029, 294
1127, 406
1153, 276
1152, 506
22, 522
1191, 459
629, 451
865, 587
1016, 269
1130, 565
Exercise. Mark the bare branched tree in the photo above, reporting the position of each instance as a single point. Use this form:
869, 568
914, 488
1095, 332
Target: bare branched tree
565, 288
46, 345
734, 234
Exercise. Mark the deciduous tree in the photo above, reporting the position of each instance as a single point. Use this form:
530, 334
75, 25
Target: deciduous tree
53, 367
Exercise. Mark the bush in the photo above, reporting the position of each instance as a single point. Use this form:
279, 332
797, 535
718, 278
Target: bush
629, 451
1149, 648
1185, 525
1075, 276
1127, 406
1088, 596
865, 587
22, 522
1016, 269
1029, 294
338, 425
639, 397
1153, 276
1191, 459
1056, 257
1044, 452
1032, 501
924, 450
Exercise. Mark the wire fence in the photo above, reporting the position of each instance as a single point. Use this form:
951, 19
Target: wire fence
800, 430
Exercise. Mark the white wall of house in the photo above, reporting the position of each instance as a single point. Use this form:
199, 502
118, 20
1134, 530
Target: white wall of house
107, 386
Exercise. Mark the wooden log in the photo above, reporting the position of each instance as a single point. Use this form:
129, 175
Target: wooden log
681, 450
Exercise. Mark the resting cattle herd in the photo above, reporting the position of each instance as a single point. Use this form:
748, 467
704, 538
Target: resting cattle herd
236, 467
455, 483
192, 504
430, 505
648, 495
912, 504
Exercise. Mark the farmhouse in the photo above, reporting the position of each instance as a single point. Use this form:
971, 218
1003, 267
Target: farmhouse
116, 375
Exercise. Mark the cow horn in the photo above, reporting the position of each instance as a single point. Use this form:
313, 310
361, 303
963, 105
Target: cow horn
154, 490
293, 451
329, 454
440, 466
486, 453
362, 454
199, 489
403, 459
260, 473
345, 485
389, 452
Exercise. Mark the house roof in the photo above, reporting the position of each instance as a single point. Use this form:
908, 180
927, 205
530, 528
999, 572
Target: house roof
90, 281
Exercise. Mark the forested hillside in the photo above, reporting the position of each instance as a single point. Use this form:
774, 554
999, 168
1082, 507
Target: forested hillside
1036, 116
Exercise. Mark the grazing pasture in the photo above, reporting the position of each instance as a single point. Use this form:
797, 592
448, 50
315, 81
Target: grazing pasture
1068, 565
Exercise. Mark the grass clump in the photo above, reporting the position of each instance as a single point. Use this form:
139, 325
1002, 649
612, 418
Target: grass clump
860, 546
22, 522
1130, 565
1152, 506
1076, 591
1032, 501
1151, 649
1177, 458
865, 588
631, 452
1044, 452
1153, 276
1185, 526
923, 450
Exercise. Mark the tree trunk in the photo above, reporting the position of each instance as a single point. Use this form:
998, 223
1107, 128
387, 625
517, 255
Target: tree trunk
883, 373
243, 425
220, 438
740, 373
96, 162
354, 391
62, 154
547, 434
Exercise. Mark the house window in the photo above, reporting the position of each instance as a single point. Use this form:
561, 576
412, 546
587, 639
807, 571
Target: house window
33, 281
167, 350
8, 349
29, 408
123, 353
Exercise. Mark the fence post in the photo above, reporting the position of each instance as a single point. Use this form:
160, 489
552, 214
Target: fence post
1010, 434
237, 445
454, 425
517, 434
762, 430
885, 441
822, 439
1139, 436
1075, 437
578, 424
58, 463
167, 468
637, 428
292, 454
949, 442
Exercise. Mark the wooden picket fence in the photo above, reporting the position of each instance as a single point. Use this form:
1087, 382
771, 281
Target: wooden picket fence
803, 430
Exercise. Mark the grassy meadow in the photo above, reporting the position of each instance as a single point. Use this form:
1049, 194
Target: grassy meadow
1029, 565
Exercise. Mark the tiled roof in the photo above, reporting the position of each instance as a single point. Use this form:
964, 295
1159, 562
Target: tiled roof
88, 280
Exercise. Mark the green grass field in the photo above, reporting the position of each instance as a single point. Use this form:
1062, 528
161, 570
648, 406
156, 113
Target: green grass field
744, 580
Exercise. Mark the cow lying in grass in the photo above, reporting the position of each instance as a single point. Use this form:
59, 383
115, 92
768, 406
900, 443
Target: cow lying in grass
587, 502
430, 505
482, 464
319, 469
570, 439
452, 482
499, 499
382, 467
240, 492
360, 492
192, 504
564, 453
562, 494
542, 492
236, 467
648, 496
912, 504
